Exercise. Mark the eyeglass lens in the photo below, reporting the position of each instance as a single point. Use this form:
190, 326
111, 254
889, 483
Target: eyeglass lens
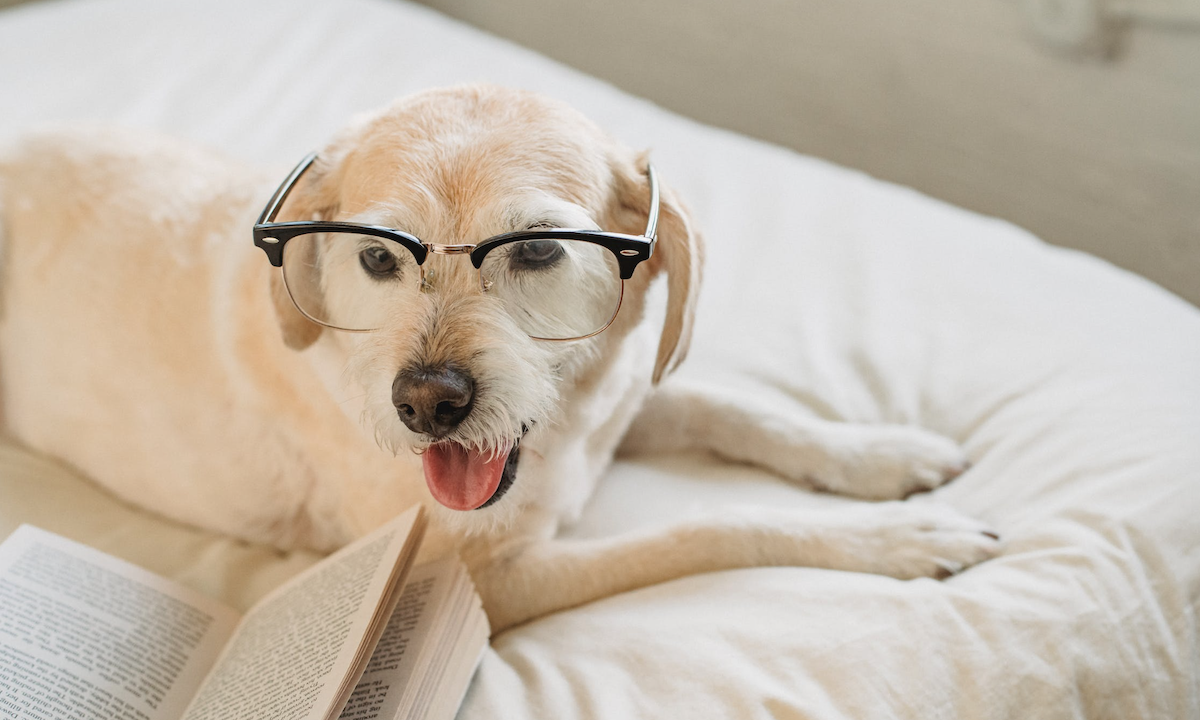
553, 288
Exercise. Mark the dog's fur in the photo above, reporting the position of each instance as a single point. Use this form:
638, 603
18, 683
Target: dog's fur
146, 342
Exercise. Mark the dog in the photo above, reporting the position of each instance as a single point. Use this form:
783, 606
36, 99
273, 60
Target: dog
146, 342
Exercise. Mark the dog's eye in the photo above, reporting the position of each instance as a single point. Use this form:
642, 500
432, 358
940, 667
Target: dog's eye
378, 262
535, 255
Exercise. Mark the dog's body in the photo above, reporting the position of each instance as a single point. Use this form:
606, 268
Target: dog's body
146, 342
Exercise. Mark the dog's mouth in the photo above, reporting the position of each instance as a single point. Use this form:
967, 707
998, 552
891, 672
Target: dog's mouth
463, 478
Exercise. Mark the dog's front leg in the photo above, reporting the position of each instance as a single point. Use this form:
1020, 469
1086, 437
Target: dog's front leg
522, 581
876, 462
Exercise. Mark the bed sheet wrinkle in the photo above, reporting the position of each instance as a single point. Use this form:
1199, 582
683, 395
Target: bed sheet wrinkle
1071, 384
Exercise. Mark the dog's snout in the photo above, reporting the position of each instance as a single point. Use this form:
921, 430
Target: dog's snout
433, 401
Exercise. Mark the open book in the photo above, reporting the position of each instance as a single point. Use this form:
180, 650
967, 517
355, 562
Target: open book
361, 635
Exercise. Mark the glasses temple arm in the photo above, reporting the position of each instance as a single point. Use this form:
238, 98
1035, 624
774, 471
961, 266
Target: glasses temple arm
652, 219
284, 189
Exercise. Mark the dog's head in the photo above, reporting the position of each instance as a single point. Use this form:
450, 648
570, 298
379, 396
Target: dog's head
452, 370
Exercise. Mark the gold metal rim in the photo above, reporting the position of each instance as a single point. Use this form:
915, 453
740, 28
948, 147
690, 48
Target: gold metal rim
482, 288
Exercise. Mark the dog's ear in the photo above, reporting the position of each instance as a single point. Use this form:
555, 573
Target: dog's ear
679, 252
313, 198
298, 331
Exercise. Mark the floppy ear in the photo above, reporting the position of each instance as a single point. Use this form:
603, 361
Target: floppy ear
298, 331
679, 252
313, 198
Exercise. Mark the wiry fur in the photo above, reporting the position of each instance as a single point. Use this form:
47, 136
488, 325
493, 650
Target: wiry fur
148, 343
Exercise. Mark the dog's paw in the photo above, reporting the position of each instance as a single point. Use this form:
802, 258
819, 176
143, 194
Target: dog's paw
909, 540
890, 463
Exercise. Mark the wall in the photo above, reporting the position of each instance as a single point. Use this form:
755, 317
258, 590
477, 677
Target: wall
957, 99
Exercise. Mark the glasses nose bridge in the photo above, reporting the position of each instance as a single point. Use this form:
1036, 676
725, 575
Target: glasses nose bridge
454, 249
432, 277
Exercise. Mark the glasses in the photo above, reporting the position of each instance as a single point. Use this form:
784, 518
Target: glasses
556, 284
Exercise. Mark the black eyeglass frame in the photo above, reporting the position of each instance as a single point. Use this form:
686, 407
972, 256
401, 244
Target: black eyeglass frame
272, 236
629, 250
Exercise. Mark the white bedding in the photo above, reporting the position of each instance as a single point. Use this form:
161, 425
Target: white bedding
1075, 388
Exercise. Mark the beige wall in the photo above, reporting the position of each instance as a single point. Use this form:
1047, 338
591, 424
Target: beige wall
957, 99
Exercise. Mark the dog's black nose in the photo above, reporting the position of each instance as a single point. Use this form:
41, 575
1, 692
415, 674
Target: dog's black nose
433, 400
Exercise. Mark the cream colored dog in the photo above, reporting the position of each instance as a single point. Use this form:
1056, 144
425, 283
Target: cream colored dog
149, 344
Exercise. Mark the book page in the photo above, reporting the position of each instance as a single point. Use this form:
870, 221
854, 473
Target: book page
462, 632
429, 651
382, 685
452, 687
84, 635
293, 653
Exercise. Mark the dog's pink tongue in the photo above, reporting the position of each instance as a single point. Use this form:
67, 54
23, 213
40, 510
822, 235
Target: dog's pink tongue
459, 478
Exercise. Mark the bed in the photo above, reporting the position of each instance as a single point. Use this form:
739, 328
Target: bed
1073, 386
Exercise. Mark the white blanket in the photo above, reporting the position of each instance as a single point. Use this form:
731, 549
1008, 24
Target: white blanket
1074, 387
